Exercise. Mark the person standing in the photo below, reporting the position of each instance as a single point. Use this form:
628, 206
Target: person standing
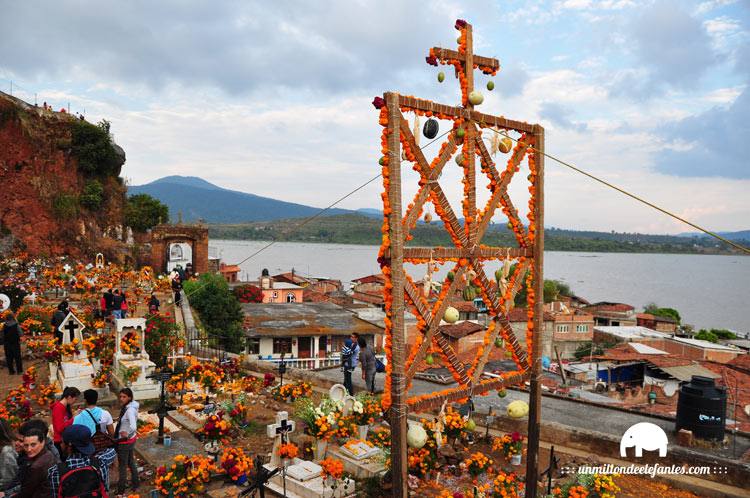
8, 455
355, 351
126, 430
57, 318
367, 360
109, 301
153, 304
177, 288
92, 415
124, 306
33, 475
117, 304
347, 366
78, 453
62, 414
12, 345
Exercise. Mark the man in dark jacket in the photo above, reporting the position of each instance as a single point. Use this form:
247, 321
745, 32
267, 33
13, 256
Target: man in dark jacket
57, 318
108, 301
117, 304
12, 344
33, 474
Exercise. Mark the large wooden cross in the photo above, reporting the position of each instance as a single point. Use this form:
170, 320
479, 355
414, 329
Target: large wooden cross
467, 253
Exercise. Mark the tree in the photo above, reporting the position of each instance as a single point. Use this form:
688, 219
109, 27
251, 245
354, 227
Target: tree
654, 309
218, 309
143, 212
705, 335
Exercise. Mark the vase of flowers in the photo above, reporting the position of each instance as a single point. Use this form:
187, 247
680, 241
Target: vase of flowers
512, 447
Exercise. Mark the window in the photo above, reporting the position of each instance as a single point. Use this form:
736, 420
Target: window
282, 345
290, 297
253, 345
582, 328
562, 328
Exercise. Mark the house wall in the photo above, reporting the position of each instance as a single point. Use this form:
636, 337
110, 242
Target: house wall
281, 295
519, 329
694, 352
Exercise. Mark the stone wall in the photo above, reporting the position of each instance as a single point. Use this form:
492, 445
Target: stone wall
165, 234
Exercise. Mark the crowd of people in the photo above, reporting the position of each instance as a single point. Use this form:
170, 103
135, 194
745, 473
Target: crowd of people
77, 460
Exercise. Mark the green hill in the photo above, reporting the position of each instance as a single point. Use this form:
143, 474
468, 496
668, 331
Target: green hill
359, 229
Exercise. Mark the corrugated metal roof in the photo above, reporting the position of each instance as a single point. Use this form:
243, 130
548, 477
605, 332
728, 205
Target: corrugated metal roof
631, 332
686, 372
645, 349
703, 344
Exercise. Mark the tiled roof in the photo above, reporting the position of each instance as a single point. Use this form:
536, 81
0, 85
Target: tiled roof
378, 278
465, 306
656, 318
607, 306
460, 329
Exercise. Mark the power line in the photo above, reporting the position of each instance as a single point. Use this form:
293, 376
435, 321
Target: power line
633, 196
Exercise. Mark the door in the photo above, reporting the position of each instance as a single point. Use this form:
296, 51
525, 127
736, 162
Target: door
304, 347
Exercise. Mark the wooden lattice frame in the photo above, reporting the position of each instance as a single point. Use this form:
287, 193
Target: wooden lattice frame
468, 253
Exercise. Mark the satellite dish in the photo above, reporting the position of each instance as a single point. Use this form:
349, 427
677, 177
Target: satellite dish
4, 302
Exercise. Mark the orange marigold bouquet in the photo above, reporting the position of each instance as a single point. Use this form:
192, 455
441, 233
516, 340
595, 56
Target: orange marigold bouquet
332, 468
186, 476
236, 464
477, 464
510, 444
588, 486
288, 451
453, 422
296, 390
215, 427
506, 486
366, 409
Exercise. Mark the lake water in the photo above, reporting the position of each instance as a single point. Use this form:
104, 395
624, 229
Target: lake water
709, 291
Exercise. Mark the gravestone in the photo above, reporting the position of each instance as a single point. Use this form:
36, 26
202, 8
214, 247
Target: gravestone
279, 431
143, 387
100, 260
75, 370
303, 481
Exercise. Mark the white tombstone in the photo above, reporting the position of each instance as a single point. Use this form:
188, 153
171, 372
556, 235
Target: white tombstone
4, 302
360, 450
76, 370
100, 260
279, 431
303, 480
142, 387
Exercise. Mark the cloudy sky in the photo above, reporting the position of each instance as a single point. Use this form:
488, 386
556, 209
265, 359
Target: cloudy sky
273, 98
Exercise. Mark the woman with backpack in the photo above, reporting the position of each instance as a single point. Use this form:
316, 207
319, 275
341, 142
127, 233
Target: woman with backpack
126, 431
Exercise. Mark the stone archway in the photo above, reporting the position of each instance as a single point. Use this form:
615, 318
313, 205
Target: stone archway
178, 240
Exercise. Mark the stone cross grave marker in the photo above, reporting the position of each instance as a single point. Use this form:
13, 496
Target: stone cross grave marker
71, 328
279, 431
67, 268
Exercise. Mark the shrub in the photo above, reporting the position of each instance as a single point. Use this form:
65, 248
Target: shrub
92, 146
65, 206
92, 195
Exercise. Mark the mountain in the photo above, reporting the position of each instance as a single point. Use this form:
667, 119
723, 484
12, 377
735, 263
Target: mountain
197, 199
740, 235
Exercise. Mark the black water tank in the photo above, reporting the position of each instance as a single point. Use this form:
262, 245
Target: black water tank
702, 408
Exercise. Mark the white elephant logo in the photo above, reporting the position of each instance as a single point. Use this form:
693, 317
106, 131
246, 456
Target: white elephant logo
644, 436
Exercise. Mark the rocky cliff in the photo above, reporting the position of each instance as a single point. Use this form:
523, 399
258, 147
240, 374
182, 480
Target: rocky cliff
60, 190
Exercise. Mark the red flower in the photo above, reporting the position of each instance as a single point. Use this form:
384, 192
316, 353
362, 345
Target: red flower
432, 61
378, 102
460, 24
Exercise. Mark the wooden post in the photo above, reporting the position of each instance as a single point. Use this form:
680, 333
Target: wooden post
559, 364
535, 389
399, 462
